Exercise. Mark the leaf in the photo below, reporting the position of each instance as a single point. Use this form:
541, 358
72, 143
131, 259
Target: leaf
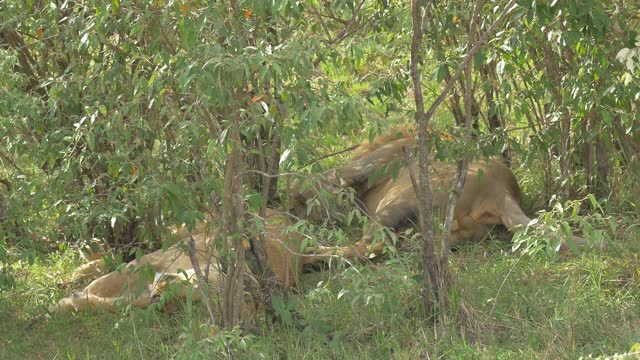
342, 293
84, 41
254, 200
622, 55
567, 229
115, 6
285, 156
281, 309
500, 69
612, 225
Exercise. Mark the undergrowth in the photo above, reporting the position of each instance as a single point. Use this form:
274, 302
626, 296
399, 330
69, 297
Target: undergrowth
507, 306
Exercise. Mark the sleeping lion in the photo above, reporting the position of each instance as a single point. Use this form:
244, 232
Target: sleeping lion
140, 282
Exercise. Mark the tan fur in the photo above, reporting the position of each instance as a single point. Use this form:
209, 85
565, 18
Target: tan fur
90, 270
174, 265
491, 194
405, 133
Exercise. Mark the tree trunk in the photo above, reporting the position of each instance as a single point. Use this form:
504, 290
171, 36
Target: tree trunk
602, 158
587, 152
494, 120
232, 213
431, 275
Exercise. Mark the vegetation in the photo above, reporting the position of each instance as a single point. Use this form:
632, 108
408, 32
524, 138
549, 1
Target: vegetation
119, 119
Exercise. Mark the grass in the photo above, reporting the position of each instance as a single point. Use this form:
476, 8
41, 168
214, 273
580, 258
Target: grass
508, 306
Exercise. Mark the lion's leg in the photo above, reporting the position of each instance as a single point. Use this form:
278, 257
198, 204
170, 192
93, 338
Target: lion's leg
511, 215
183, 281
114, 283
83, 301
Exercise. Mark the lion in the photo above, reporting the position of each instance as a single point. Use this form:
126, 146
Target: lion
490, 196
141, 282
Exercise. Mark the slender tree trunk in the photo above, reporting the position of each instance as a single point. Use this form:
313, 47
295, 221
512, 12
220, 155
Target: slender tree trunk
257, 257
232, 213
587, 152
602, 158
551, 62
462, 165
434, 282
431, 273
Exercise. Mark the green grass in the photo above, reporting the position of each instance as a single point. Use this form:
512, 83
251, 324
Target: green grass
507, 307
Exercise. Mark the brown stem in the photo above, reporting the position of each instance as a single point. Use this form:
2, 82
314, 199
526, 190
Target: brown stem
431, 278
202, 285
233, 291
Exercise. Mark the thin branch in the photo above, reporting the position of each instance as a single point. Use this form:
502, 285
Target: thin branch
412, 176
353, 147
431, 283
349, 24
335, 17
483, 39
461, 170
315, 12
202, 285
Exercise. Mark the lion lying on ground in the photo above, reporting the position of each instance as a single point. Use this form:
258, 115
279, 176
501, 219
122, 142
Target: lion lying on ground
139, 288
491, 195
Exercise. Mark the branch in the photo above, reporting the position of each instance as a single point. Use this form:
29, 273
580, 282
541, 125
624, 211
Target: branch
350, 23
352, 147
321, 21
483, 39
461, 170
345, 30
202, 285
26, 62
430, 279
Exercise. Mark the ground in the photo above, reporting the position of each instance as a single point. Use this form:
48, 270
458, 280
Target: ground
506, 305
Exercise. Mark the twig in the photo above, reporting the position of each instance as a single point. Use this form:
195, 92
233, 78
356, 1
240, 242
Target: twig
191, 246
461, 171
321, 21
483, 39
353, 147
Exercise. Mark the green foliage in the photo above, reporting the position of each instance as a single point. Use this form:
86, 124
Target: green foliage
120, 108
114, 123
285, 310
546, 233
